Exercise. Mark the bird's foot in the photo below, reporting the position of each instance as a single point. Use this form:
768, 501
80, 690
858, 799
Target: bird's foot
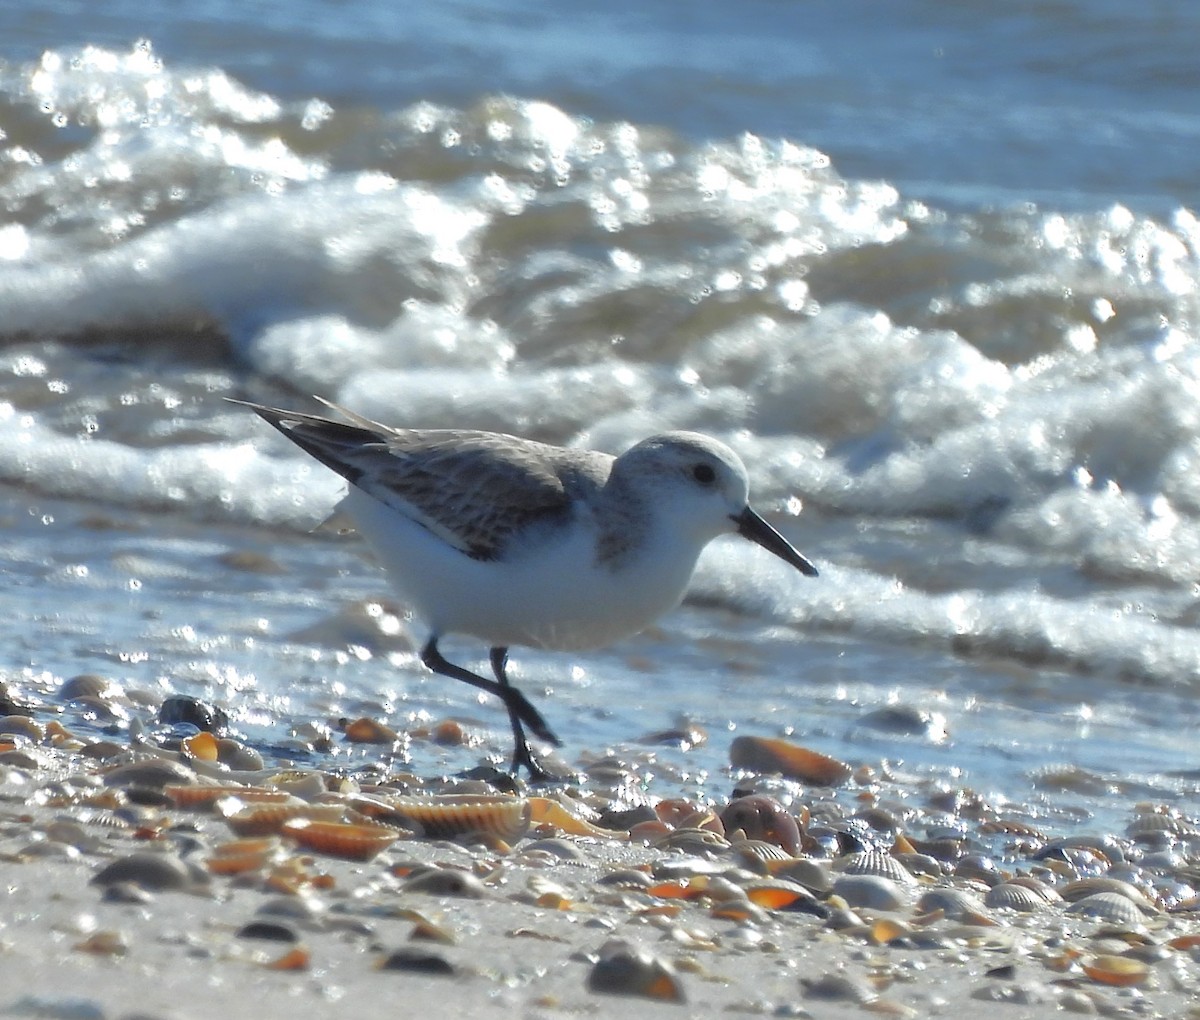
539, 773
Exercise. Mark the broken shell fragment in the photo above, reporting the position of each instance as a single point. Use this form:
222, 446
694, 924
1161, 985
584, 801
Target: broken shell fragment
544, 811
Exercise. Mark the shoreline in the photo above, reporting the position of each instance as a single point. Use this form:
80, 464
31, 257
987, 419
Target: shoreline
130, 894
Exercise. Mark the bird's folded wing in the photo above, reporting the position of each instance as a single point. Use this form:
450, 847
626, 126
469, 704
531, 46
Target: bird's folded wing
474, 490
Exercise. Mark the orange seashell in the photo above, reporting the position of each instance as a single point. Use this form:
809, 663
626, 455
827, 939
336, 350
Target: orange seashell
206, 794
886, 930
297, 958
202, 745
369, 731
673, 891
772, 897
453, 816
1185, 942
268, 818
359, 842
241, 855
763, 754
1116, 970
648, 832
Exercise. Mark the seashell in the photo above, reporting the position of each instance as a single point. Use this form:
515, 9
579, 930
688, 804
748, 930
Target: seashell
873, 892
266, 819
296, 958
237, 756
763, 754
887, 930
418, 961
454, 816
692, 841
155, 773
1012, 896
1011, 827
813, 875
200, 795
241, 855
647, 832
921, 865
758, 855
837, 988
978, 868
544, 811
150, 871
104, 943
626, 878
1047, 892
1110, 907
550, 850
271, 931
1082, 888
447, 882
779, 894
875, 862
1120, 971
298, 783
354, 841
763, 818
202, 745
624, 969
954, 903
102, 817
426, 931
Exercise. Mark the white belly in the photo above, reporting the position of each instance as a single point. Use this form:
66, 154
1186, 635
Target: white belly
551, 596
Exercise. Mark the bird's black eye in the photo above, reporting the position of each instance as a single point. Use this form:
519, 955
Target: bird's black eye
704, 474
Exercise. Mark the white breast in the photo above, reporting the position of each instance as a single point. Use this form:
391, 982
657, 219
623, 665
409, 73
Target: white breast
552, 595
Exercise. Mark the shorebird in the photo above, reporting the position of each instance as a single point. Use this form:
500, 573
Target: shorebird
517, 542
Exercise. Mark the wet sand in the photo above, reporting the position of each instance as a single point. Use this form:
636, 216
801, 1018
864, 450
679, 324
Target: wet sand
128, 894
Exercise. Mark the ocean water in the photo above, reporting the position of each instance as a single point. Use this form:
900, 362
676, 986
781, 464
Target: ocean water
930, 268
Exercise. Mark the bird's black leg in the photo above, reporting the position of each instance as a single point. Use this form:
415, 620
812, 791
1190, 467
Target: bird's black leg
522, 755
518, 706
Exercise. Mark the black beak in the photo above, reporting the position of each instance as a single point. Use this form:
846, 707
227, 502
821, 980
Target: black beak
753, 527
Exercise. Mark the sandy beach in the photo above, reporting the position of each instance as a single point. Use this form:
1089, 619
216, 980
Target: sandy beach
146, 881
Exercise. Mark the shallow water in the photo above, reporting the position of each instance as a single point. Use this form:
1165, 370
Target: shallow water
946, 317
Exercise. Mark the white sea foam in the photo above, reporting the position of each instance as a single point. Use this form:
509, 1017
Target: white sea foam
1026, 377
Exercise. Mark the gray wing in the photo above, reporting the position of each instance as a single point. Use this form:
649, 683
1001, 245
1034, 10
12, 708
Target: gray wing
474, 490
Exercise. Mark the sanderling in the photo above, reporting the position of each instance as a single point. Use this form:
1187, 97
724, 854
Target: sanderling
517, 542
